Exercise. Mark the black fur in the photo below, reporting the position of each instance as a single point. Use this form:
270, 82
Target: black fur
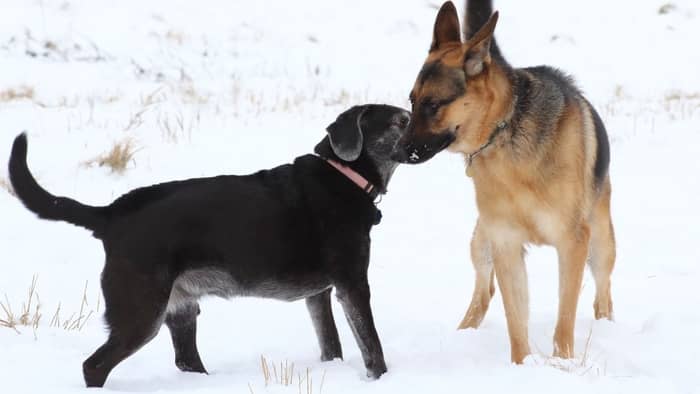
290, 232
477, 13
45, 205
430, 70
345, 134
602, 157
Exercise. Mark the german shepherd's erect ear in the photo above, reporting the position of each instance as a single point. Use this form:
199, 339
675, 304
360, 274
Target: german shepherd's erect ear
479, 53
446, 27
345, 134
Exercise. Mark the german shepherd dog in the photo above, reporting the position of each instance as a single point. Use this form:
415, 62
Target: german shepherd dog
291, 232
538, 154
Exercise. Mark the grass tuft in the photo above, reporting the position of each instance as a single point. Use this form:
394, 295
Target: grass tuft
116, 158
22, 92
666, 8
5, 185
75, 322
30, 315
284, 376
581, 366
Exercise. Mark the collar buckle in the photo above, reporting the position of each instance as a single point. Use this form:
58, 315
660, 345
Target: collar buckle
500, 126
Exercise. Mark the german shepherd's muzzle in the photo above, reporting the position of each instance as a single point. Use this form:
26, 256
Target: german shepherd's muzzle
416, 148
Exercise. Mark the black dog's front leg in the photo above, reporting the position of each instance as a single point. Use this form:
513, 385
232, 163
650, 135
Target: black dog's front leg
355, 302
319, 307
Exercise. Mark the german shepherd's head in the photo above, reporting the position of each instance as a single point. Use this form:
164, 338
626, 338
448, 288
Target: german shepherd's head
458, 93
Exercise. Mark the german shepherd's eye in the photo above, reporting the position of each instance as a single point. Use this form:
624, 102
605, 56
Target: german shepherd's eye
430, 107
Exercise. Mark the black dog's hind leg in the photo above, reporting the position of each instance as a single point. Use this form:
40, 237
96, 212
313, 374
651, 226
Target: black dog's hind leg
135, 303
355, 301
132, 324
182, 324
319, 307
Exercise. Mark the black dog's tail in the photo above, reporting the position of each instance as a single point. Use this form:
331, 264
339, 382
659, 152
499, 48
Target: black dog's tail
44, 204
476, 14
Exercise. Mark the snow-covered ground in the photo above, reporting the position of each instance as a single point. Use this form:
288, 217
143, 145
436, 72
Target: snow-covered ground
213, 87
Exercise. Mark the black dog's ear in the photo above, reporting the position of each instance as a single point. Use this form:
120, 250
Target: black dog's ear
345, 134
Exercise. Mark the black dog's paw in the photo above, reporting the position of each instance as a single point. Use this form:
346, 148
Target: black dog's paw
94, 375
331, 357
194, 366
376, 371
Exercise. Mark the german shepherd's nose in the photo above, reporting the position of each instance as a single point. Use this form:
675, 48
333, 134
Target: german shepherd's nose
413, 149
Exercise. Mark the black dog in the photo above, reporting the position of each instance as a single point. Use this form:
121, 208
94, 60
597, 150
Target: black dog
291, 232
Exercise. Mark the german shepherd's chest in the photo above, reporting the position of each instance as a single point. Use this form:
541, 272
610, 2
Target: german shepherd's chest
517, 210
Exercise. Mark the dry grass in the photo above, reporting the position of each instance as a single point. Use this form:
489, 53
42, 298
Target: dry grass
116, 158
146, 103
175, 36
174, 125
681, 105
678, 96
190, 94
22, 92
581, 366
30, 312
284, 376
666, 8
61, 102
75, 322
5, 185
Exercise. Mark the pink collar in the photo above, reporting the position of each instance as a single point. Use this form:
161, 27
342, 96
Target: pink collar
351, 174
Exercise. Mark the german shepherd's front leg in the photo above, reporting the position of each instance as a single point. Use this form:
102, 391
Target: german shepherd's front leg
512, 281
573, 251
355, 301
484, 287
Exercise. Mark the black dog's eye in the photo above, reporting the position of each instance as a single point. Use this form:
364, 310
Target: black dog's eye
403, 122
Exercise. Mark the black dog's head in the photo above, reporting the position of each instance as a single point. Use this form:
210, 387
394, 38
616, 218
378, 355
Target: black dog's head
366, 137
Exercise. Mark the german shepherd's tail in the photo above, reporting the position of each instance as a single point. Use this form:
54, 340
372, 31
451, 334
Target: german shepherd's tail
476, 14
43, 203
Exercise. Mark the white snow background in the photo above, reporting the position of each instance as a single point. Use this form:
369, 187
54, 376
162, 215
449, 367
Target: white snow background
228, 87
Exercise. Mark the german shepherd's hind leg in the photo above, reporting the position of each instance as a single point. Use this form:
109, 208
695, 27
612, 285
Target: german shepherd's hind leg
182, 324
319, 307
508, 260
484, 286
602, 254
572, 251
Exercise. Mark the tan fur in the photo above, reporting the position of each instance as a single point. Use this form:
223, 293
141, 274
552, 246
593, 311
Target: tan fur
543, 194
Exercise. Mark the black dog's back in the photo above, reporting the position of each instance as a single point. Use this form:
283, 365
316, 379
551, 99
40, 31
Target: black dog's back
249, 228
219, 195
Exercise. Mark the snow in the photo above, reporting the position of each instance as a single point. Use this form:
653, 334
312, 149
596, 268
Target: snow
209, 87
